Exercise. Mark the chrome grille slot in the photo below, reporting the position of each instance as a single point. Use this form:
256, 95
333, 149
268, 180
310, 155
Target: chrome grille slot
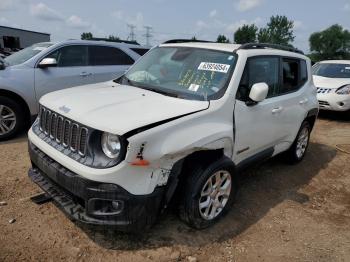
59, 129
66, 135
74, 137
63, 131
47, 121
53, 125
82, 141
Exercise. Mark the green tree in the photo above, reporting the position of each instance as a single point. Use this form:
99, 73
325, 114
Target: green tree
222, 39
86, 36
194, 38
331, 43
279, 30
112, 37
246, 34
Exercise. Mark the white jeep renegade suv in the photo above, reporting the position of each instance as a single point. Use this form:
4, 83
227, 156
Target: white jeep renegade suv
182, 122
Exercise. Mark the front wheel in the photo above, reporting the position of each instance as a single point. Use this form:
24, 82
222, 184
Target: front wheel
12, 118
209, 193
298, 149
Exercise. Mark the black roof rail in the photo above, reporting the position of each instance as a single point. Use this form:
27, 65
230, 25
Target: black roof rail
113, 40
177, 41
266, 45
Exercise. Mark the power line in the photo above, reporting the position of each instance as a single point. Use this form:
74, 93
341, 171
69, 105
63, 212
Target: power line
148, 34
132, 32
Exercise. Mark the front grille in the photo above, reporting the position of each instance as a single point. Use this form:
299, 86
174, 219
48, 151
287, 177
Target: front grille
70, 134
323, 103
321, 90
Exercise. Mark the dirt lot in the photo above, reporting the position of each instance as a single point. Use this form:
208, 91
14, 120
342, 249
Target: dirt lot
290, 213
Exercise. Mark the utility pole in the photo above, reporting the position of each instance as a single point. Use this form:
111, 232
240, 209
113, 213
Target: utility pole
132, 33
148, 34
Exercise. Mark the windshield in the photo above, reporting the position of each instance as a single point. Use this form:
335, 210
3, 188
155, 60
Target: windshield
27, 53
332, 70
190, 73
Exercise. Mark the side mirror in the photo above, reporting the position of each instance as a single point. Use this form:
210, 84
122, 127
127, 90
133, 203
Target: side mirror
258, 92
47, 62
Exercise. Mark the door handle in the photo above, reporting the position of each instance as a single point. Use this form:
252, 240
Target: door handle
304, 101
84, 74
277, 110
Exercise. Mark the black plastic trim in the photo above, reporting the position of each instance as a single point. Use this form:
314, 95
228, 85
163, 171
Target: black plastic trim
255, 159
72, 193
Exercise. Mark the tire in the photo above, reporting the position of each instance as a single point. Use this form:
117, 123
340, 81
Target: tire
297, 151
12, 118
197, 184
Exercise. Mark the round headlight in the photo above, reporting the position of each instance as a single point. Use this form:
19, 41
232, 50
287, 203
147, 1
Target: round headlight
344, 90
110, 145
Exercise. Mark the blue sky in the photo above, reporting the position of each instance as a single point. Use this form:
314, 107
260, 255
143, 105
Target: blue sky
169, 18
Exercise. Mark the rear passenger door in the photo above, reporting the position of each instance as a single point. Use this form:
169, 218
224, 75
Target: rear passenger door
108, 63
292, 97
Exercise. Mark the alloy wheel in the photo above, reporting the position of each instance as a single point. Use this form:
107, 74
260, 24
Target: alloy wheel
215, 194
302, 142
7, 120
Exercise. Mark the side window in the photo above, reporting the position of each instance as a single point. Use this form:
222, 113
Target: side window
140, 51
105, 55
69, 56
290, 76
303, 72
257, 70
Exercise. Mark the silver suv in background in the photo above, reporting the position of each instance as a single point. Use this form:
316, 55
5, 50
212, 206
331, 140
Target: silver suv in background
45, 67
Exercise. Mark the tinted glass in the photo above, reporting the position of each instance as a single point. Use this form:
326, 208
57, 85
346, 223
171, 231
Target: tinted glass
258, 70
140, 51
104, 55
69, 56
27, 53
303, 72
290, 79
332, 70
190, 73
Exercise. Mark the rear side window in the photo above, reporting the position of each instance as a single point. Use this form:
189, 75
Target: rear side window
105, 55
140, 51
290, 78
258, 70
70, 56
303, 72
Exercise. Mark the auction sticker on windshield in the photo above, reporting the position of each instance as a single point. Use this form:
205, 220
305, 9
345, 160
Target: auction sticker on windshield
215, 67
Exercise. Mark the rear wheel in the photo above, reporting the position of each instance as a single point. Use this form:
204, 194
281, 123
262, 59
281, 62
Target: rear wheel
12, 118
209, 193
298, 149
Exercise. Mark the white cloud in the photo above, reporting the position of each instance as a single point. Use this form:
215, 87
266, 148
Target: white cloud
298, 25
347, 7
213, 13
117, 14
245, 5
44, 12
6, 5
201, 24
77, 22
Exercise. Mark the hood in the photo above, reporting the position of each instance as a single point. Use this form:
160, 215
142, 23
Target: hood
326, 82
117, 108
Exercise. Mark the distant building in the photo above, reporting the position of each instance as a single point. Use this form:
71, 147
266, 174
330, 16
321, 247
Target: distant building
15, 38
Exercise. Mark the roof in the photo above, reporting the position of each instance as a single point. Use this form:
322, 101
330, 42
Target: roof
24, 30
234, 47
207, 45
108, 43
335, 62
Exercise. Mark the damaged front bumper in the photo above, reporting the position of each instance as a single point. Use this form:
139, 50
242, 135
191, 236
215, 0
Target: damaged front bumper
90, 201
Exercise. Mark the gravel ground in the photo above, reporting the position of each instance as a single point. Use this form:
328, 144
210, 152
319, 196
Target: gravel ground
290, 213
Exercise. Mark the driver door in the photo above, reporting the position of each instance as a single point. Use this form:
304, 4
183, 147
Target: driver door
258, 127
72, 70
